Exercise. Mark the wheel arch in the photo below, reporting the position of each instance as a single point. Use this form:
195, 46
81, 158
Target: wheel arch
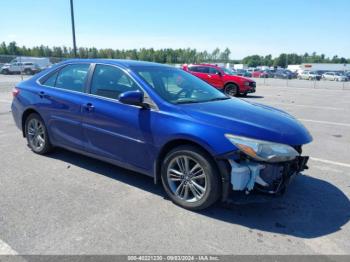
231, 83
167, 147
25, 115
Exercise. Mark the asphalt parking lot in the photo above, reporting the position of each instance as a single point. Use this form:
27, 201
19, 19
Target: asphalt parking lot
65, 203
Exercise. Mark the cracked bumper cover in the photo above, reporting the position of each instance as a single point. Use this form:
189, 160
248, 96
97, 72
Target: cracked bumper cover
263, 177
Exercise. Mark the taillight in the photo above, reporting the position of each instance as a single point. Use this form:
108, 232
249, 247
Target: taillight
15, 92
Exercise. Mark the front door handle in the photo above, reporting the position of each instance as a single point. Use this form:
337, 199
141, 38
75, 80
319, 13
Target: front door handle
89, 107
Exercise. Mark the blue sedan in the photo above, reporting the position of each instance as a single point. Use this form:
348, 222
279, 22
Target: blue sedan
162, 122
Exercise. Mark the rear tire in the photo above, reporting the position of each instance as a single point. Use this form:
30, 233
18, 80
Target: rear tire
36, 134
190, 178
231, 90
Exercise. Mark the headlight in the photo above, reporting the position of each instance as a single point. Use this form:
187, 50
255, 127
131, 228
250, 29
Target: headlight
263, 150
246, 83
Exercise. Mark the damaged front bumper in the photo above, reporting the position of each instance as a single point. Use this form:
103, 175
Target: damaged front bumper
248, 175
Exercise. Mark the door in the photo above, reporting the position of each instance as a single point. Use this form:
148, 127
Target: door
60, 105
15, 67
114, 130
215, 77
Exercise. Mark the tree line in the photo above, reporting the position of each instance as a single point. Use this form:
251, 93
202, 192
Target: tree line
167, 55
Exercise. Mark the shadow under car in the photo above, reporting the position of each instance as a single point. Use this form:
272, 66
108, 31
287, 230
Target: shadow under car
310, 208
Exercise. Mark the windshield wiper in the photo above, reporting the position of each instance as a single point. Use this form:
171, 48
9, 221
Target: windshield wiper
217, 99
202, 101
188, 102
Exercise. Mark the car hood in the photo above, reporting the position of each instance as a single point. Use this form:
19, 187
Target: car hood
252, 120
235, 77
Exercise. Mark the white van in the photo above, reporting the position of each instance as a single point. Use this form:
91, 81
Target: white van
41, 62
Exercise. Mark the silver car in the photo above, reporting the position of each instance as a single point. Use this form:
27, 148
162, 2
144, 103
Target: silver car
309, 75
334, 76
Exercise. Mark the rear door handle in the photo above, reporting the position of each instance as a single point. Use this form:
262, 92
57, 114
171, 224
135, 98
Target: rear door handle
89, 107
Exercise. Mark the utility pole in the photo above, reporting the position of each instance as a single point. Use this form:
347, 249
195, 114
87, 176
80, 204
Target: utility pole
73, 28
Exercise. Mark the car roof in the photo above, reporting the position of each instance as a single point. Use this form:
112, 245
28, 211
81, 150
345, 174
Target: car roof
209, 65
120, 62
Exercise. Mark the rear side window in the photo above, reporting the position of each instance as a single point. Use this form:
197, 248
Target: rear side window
203, 69
51, 81
72, 77
109, 81
193, 68
199, 69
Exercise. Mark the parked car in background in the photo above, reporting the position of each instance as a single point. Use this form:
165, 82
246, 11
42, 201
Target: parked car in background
164, 123
284, 74
260, 74
309, 75
347, 74
270, 73
334, 76
222, 78
243, 72
41, 62
27, 68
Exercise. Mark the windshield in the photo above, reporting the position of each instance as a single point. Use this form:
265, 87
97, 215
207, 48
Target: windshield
177, 86
228, 71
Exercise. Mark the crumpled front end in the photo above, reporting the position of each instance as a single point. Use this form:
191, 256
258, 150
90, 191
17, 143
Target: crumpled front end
265, 177
242, 173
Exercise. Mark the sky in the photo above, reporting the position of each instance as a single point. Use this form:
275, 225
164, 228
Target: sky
245, 26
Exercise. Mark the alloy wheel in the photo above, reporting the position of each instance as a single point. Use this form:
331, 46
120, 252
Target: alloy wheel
186, 178
36, 134
231, 90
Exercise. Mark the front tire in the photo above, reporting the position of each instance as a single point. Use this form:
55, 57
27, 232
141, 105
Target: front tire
5, 72
36, 134
231, 90
190, 178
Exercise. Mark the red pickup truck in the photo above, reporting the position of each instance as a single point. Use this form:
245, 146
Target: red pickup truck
222, 78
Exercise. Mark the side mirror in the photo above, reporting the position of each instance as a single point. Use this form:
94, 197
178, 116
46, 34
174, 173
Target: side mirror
132, 98
218, 73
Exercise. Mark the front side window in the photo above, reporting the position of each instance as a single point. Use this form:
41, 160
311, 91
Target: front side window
228, 71
177, 86
110, 81
213, 71
72, 77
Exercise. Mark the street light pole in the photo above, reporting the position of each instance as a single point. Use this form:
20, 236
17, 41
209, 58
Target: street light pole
73, 28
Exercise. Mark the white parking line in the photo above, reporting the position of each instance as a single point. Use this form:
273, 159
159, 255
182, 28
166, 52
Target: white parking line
330, 162
5, 101
324, 122
5, 249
